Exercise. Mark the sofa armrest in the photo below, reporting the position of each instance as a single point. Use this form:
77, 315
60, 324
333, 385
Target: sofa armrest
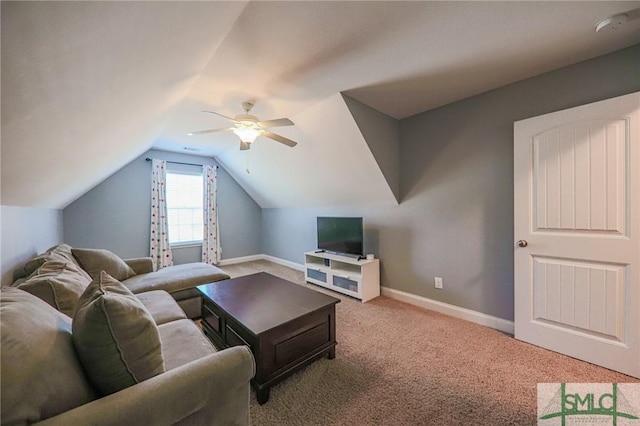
140, 265
213, 390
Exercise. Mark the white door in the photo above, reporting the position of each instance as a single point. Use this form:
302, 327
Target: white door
577, 227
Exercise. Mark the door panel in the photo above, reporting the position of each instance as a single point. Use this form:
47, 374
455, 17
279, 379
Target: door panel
577, 204
580, 177
582, 296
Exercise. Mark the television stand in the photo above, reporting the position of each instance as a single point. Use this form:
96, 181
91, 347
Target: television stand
346, 274
352, 256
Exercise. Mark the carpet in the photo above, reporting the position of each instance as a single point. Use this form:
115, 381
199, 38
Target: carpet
397, 364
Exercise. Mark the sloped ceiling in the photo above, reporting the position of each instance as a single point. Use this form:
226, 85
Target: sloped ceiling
333, 167
88, 86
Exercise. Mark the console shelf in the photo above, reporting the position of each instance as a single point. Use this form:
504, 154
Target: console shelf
347, 275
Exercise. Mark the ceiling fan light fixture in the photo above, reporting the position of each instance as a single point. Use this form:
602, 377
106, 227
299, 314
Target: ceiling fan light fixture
247, 134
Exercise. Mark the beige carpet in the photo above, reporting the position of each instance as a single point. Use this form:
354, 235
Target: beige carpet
401, 365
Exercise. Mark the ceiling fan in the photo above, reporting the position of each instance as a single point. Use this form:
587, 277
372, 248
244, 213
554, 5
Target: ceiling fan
248, 127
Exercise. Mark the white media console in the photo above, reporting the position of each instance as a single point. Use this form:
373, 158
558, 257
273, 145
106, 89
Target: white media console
347, 275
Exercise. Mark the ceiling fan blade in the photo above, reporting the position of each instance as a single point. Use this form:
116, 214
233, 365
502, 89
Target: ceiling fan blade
279, 138
278, 122
218, 114
202, 132
244, 146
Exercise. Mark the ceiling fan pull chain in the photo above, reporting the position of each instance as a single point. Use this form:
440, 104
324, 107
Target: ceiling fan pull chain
247, 161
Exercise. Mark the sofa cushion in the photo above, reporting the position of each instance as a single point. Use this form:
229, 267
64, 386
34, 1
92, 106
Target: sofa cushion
175, 278
162, 307
96, 260
177, 335
59, 283
115, 336
40, 374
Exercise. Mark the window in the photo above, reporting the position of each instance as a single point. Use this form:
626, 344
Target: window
184, 207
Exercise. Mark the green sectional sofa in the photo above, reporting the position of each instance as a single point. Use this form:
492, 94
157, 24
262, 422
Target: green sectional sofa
79, 347
139, 274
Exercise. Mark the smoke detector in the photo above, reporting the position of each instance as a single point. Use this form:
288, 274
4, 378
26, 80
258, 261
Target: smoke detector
612, 23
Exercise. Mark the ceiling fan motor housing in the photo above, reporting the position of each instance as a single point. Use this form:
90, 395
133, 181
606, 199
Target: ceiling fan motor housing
246, 119
247, 105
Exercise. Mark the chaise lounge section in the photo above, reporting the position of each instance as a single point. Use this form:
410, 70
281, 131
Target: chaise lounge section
139, 275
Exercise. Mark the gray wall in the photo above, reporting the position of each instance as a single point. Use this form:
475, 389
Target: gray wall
115, 214
455, 219
382, 134
26, 232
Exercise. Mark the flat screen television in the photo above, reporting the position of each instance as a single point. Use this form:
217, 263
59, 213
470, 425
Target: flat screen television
340, 235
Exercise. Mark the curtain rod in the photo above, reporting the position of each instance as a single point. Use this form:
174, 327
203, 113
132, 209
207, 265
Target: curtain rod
178, 162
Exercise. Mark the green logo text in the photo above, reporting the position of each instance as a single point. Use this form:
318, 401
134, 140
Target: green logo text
565, 404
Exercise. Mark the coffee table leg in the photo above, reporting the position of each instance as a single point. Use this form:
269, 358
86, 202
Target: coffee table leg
262, 395
332, 353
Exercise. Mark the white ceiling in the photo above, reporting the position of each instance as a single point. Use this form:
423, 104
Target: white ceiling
88, 86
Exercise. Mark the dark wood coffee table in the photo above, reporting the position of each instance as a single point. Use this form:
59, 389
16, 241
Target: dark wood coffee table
286, 326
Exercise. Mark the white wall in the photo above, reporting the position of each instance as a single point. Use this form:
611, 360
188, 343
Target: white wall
25, 233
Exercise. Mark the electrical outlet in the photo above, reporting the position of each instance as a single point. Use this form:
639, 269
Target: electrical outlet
438, 282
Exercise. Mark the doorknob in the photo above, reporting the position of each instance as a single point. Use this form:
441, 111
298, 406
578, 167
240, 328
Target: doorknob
522, 243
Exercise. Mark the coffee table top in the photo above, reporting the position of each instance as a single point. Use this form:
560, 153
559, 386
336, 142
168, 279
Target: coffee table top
262, 301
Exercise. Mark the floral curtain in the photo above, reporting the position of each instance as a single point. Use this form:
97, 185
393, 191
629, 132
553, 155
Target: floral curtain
211, 251
159, 243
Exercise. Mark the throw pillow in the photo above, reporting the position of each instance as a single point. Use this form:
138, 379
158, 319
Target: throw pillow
60, 252
33, 264
40, 373
59, 283
64, 251
96, 260
115, 336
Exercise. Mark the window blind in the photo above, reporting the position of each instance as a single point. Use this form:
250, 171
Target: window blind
184, 207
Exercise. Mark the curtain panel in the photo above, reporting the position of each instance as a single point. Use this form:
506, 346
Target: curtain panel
211, 252
160, 249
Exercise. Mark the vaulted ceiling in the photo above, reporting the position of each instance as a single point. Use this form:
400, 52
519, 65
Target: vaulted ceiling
89, 86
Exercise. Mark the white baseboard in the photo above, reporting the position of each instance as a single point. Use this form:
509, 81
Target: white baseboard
445, 308
242, 259
284, 262
420, 301
273, 259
